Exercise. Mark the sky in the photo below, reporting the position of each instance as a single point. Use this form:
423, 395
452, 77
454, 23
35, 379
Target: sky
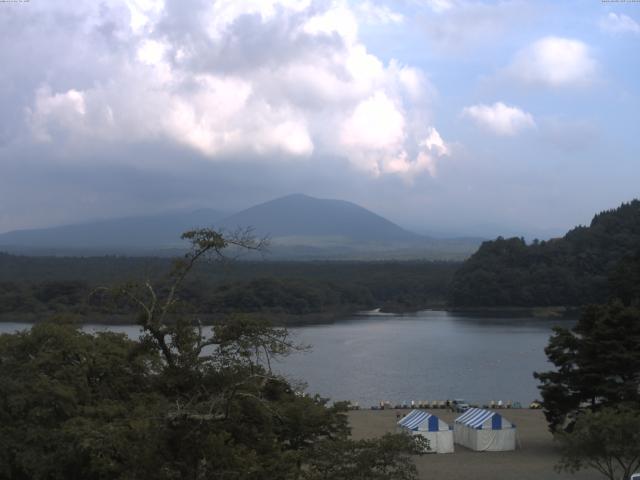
449, 117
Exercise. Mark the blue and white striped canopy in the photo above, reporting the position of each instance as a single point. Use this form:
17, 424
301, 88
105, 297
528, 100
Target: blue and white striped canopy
418, 420
477, 418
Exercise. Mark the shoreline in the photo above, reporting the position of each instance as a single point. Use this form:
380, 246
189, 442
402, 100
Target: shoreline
559, 311
319, 318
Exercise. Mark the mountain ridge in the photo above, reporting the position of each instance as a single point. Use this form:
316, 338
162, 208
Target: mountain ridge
300, 215
299, 226
121, 232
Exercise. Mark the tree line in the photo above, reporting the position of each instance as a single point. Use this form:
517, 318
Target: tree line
574, 270
40, 287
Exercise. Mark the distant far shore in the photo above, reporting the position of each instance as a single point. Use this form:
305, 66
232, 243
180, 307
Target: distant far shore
277, 319
321, 318
536, 312
529, 312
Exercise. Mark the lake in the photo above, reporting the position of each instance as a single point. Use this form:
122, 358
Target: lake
430, 355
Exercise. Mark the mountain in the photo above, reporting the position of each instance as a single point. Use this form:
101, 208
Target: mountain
574, 270
302, 216
300, 228
144, 232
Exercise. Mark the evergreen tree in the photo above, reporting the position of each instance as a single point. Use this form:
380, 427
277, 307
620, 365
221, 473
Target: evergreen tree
598, 364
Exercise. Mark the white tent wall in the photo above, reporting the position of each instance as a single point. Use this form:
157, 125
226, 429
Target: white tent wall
439, 442
439, 434
485, 431
482, 440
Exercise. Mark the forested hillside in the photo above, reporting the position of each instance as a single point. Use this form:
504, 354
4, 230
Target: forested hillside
573, 270
34, 288
578, 269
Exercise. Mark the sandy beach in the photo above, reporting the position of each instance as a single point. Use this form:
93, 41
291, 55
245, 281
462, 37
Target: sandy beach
534, 460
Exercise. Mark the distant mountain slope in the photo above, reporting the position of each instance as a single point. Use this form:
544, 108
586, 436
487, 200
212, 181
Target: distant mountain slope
132, 232
300, 227
572, 270
303, 216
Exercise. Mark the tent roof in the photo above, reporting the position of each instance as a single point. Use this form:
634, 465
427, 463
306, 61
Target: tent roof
475, 418
415, 418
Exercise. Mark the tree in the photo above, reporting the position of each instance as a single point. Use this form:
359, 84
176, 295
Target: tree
182, 402
365, 459
624, 281
71, 402
607, 440
598, 364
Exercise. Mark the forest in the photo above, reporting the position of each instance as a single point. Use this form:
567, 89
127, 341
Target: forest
35, 287
574, 270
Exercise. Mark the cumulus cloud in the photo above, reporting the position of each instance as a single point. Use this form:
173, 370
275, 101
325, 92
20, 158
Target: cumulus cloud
375, 135
269, 79
554, 62
69, 108
499, 118
619, 23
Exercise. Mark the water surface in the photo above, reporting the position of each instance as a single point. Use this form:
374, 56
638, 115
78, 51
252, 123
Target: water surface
429, 355
425, 356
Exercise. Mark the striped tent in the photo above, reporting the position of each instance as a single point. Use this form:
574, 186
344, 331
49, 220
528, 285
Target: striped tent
484, 430
439, 434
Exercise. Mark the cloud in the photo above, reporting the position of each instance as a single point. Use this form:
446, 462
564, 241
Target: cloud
433, 147
376, 123
274, 80
554, 62
68, 108
377, 14
619, 23
143, 13
499, 118
375, 135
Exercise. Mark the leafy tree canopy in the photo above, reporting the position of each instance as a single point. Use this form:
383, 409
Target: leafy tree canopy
607, 440
179, 403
